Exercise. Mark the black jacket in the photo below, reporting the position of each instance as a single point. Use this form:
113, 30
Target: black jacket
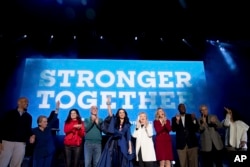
16, 127
186, 135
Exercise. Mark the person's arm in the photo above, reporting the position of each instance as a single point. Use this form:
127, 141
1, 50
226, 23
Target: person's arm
100, 121
194, 123
149, 130
129, 147
32, 137
175, 123
53, 117
158, 126
214, 122
29, 127
68, 128
109, 106
2, 124
202, 124
226, 122
129, 141
243, 139
82, 131
88, 124
167, 125
137, 126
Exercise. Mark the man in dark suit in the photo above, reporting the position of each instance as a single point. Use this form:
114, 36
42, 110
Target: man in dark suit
186, 125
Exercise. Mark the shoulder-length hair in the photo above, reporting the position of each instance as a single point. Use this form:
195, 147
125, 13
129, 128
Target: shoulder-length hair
40, 118
157, 113
78, 117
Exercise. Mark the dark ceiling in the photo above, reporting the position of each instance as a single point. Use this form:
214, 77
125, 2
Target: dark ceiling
121, 20
208, 17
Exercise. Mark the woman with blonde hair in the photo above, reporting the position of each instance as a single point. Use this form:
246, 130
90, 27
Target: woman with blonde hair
145, 152
163, 141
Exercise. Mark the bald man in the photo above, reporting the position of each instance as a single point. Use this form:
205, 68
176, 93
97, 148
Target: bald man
93, 138
15, 130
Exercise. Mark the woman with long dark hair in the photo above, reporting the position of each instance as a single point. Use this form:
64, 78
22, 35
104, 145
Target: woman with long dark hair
236, 130
74, 132
118, 150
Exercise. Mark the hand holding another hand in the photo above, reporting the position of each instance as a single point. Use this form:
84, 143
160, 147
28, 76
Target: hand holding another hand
78, 126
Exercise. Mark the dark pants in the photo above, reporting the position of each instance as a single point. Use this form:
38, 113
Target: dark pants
212, 157
144, 163
72, 156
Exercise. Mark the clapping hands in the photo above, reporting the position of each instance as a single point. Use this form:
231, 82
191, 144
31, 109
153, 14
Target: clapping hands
77, 126
138, 124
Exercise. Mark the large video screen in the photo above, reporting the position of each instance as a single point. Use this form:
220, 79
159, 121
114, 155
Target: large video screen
135, 85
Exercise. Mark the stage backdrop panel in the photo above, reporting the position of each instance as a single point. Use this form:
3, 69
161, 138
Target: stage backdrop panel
134, 85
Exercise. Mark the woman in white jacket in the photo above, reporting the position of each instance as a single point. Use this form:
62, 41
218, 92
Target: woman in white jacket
145, 152
236, 131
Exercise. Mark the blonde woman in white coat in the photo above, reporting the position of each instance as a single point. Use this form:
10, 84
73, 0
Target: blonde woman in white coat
145, 152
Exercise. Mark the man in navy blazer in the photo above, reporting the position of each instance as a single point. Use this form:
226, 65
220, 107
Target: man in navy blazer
186, 126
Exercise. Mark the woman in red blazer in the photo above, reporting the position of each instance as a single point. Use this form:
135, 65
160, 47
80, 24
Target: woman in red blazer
163, 141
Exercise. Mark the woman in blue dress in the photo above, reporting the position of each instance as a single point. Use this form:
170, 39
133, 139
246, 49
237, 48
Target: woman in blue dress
118, 150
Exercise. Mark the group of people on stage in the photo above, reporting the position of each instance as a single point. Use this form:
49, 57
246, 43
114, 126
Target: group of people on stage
193, 136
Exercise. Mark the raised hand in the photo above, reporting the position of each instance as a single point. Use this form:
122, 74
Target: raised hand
108, 100
58, 104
